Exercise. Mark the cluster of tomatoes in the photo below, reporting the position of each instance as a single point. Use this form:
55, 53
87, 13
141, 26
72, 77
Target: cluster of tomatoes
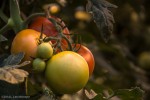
66, 71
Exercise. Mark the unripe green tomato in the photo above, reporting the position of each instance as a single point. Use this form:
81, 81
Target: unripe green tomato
45, 50
144, 60
66, 72
38, 65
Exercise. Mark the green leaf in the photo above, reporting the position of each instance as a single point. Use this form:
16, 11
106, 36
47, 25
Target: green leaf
12, 74
13, 59
2, 38
130, 94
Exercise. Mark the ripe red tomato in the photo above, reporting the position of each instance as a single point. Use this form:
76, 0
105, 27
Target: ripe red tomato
48, 28
26, 41
66, 72
88, 56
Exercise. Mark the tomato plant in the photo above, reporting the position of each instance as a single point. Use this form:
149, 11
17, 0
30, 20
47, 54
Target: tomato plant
88, 56
67, 72
68, 69
26, 41
48, 28
44, 50
38, 65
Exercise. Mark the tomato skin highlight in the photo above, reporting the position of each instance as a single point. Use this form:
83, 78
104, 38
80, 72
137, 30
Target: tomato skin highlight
26, 41
88, 56
67, 72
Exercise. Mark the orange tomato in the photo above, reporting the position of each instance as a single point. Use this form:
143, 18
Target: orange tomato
26, 41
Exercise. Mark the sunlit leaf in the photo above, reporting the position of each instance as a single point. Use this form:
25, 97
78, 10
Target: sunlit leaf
102, 16
12, 74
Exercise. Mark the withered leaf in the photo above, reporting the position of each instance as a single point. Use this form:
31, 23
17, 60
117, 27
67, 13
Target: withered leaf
13, 74
90, 94
102, 16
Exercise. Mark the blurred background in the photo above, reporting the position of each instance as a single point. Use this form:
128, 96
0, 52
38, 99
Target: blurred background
123, 62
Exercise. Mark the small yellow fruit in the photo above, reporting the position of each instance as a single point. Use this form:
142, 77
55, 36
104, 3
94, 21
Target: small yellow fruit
44, 50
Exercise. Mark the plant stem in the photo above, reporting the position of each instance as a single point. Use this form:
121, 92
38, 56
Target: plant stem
26, 22
15, 15
5, 28
47, 39
3, 16
69, 43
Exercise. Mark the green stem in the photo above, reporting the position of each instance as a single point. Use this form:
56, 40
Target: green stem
60, 33
47, 39
64, 37
3, 16
26, 22
5, 28
68, 42
15, 15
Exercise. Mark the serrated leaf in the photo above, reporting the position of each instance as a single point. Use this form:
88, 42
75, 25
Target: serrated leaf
12, 74
2, 38
130, 94
102, 16
13, 59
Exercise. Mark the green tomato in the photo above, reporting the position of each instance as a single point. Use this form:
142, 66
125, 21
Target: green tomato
45, 50
38, 65
67, 72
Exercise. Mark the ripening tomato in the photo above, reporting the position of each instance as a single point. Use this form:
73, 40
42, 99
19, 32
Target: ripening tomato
38, 65
26, 41
48, 28
66, 72
44, 50
88, 56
